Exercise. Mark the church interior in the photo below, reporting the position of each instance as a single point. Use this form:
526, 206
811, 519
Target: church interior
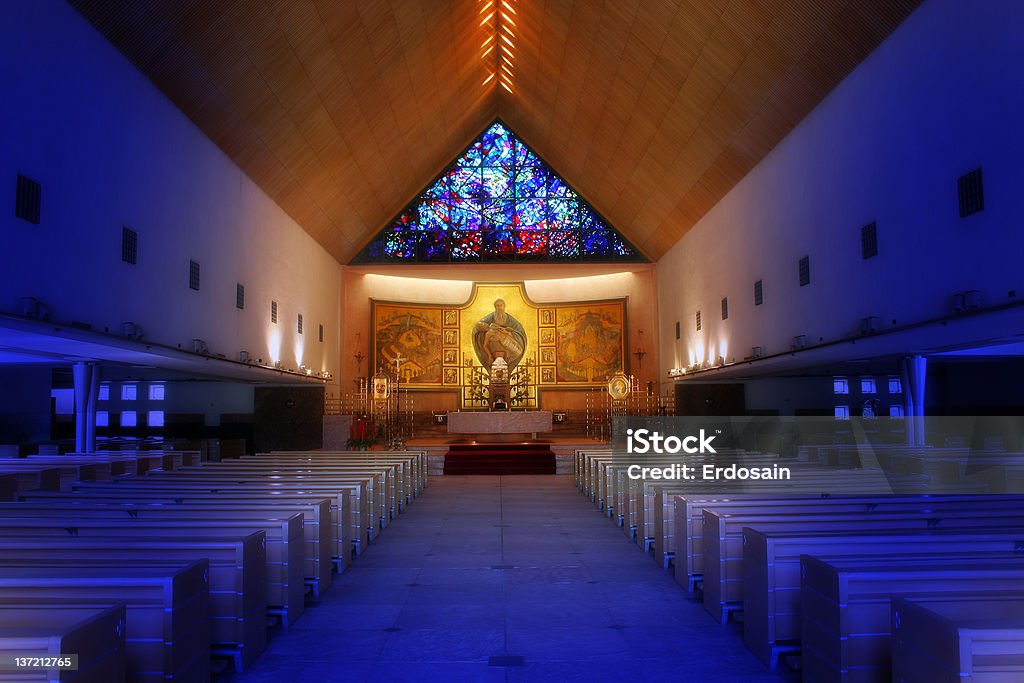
330, 332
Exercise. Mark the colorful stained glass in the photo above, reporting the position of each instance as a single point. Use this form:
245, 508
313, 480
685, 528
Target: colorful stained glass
498, 201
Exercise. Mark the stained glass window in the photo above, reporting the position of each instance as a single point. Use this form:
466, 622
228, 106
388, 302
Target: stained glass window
498, 201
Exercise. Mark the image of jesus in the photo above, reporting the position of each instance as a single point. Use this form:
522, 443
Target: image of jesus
497, 335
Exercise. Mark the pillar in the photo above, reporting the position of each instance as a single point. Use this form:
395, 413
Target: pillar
913, 373
82, 376
93, 401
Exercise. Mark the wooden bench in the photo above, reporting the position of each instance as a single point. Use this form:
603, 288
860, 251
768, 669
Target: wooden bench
365, 495
723, 531
846, 611
8, 486
95, 634
316, 523
771, 567
688, 515
237, 567
396, 484
957, 641
417, 461
344, 510
33, 477
342, 520
285, 588
70, 472
166, 630
350, 494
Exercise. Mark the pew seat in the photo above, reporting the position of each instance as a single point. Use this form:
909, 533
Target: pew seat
285, 588
957, 641
166, 629
771, 570
95, 634
237, 615
846, 611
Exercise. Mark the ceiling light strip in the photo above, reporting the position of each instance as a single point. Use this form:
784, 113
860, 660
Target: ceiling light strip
498, 22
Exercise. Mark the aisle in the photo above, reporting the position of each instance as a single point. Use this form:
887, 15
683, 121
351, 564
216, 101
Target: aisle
521, 568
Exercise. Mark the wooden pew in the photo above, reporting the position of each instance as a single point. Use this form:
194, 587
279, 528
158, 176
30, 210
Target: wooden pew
846, 612
341, 524
417, 461
688, 514
316, 523
168, 459
349, 494
8, 486
771, 567
285, 588
395, 484
723, 538
95, 634
344, 511
364, 488
70, 472
957, 641
107, 466
166, 630
237, 567
32, 478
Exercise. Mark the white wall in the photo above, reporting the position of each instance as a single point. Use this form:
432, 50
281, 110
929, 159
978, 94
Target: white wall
111, 150
942, 96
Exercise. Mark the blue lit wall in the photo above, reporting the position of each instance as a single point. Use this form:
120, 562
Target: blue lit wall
941, 97
110, 151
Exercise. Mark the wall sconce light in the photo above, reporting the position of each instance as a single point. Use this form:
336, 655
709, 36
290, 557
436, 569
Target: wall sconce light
32, 307
131, 330
640, 350
359, 355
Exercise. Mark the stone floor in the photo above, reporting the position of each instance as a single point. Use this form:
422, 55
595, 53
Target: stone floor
505, 579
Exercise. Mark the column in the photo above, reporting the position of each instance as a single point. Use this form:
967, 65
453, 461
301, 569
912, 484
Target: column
82, 374
94, 397
913, 373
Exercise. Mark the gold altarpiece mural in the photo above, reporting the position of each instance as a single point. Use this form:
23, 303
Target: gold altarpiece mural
568, 344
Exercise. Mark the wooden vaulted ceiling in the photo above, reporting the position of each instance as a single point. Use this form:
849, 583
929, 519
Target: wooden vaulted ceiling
343, 110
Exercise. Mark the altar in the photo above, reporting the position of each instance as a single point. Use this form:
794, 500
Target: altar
500, 423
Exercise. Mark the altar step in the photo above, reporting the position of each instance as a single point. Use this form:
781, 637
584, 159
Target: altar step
499, 459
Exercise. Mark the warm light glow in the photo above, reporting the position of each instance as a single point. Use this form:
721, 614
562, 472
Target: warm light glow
502, 14
274, 343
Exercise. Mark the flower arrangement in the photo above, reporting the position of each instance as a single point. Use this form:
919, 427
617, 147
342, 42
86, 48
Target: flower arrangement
360, 435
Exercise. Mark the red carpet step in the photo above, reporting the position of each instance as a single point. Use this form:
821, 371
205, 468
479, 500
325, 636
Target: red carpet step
499, 459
